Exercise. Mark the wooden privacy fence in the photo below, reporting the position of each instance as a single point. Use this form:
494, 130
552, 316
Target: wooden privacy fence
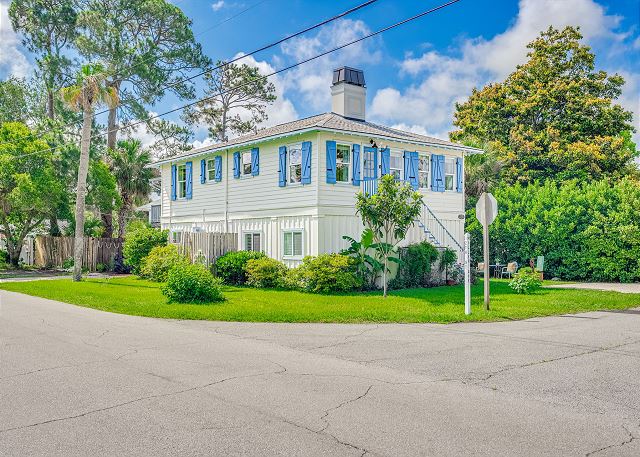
209, 245
52, 251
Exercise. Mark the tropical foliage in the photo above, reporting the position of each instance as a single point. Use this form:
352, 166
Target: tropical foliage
138, 244
584, 230
389, 214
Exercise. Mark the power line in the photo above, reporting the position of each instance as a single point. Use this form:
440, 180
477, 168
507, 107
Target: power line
297, 64
226, 63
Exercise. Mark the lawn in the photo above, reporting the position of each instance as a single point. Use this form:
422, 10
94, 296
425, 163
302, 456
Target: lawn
128, 295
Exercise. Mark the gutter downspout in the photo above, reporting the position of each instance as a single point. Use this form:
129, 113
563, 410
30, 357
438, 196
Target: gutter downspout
226, 191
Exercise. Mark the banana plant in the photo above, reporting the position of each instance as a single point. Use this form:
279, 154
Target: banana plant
367, 265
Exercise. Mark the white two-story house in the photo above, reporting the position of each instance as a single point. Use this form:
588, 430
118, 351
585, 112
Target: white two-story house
289, 190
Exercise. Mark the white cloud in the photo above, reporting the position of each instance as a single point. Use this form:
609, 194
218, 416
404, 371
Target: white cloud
442, 80
216, 6
312, 80
12, 61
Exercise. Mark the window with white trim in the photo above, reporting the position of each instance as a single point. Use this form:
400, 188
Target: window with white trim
294, 159
211, 170
423, 172
343, 160
449, 173
247, 166
253, 241
292, 243
182, 181
395, 165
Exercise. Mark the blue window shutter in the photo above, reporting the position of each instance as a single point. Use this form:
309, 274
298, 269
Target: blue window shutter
203, 171
439, 169
406, 156
218, 163
385, 161
236, 165
255, 161
306, 163
189, 167
331, 162
174, 182
459, 174
355, 157
282, 164
413, 162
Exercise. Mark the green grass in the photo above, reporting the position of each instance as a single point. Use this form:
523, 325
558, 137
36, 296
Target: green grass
128, 295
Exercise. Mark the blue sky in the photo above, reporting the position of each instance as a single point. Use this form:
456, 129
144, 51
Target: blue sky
414, 73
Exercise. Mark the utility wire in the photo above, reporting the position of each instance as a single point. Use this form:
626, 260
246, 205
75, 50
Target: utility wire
317, 56
226, 63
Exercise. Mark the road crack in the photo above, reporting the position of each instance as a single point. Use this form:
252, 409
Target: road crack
628, 440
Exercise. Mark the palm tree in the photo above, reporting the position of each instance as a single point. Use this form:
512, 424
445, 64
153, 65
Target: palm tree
129, 164
88, 91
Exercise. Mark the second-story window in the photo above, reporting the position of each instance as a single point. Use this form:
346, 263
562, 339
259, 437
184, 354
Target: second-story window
246, 163
294, 153
211, 170
182, 181
423, 172
395, 166
449, 173
343, 160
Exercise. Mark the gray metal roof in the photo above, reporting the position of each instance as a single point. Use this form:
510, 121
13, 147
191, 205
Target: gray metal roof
329, 122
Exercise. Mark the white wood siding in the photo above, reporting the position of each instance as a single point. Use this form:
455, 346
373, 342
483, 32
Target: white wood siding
325, 212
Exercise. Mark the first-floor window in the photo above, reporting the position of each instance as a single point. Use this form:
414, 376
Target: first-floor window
246, 163
182, 181
395, 166
449, 172
211, 170
423, 171
343, 160
292, 243
252, 241
294, 153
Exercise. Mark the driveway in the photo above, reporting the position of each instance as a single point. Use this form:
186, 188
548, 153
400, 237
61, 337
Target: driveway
625, 288
76, 381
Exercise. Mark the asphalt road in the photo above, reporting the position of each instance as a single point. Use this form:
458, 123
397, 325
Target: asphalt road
76, 381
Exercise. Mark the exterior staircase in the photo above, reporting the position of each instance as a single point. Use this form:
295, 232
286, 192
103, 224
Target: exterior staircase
436, 232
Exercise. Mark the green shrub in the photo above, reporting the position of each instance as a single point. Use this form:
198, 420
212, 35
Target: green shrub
585, 231
525, 281
102, 267
187, 283
324, 273
4, 259
139, 242
265, 272
67, 264
160, 261
231, 267
448, 258
415, 267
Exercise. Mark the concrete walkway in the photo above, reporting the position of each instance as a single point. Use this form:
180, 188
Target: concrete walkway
77, 382
625, 288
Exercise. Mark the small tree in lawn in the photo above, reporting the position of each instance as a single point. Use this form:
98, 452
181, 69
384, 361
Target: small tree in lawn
389, 214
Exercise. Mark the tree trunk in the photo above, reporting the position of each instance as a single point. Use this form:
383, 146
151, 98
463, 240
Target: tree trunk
83, 168
384, 278
112, 139
50, 104
54, 228
14, 253
122, 218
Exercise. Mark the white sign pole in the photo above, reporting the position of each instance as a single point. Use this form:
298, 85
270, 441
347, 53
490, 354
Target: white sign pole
467, 274
486, 212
